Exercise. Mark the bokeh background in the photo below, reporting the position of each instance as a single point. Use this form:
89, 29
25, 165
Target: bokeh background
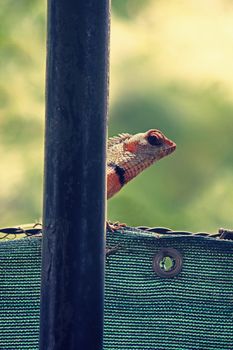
171, 69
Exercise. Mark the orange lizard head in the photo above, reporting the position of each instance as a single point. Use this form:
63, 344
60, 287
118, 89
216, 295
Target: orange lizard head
152, 144
128, 155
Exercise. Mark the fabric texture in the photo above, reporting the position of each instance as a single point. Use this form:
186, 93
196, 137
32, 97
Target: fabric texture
191, 311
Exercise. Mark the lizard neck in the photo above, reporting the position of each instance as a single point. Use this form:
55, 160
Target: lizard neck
115, 179
120, 174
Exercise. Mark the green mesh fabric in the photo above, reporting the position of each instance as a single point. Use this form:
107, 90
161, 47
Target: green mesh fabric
192, 311
20, 262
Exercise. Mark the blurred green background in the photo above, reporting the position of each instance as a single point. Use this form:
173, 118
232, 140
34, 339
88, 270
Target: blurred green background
171, 69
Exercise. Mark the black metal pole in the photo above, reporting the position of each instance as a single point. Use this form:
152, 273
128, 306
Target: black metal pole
74, 190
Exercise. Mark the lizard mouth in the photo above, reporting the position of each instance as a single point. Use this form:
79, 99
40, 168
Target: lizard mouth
170, 149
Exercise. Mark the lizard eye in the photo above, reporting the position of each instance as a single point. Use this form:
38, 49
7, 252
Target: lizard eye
154, 139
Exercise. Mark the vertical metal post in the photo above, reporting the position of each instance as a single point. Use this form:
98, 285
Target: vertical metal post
74, 190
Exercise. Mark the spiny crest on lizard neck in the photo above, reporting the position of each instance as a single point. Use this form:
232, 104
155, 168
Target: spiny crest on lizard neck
128, 155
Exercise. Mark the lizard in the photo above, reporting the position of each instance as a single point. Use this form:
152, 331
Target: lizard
128, 155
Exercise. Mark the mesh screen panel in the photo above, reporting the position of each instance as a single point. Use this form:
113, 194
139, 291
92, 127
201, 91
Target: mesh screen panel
191, 311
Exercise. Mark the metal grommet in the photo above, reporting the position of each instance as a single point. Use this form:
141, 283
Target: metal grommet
167, 263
